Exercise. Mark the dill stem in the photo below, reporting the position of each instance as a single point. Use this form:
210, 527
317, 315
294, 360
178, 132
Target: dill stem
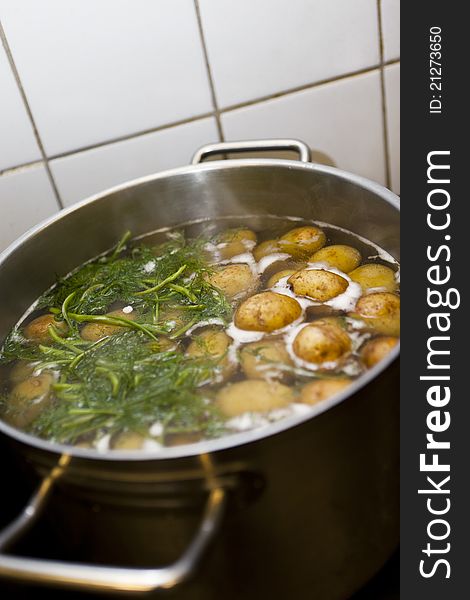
113, 379
88, 291
66, 386
157, 309
192, 307
76, 360
48, 350
121, 322
163, 283
56, 337
183, 290
120, 246
92, 411
183, 329
67, 397
65, 306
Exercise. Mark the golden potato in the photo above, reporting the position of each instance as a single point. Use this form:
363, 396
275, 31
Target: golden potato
163, 344
235, 241
374, 276
321, 342
253, 395
210, 342
21, 371
83, 444
265, 359
302, 241
233, 280
213, 344
341, 257
265, 248
279, 275
332, 321
92, 332
174, 319
380, 310
28, 399
318, 284
37, 330
267, 311
127, 440
321, 389
376, 349
180, 439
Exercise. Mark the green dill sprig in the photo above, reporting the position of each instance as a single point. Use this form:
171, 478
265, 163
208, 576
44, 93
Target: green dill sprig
125, 381
123, 384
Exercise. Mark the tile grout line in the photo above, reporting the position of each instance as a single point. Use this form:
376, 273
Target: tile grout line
259, 100
209, 72
300, 88
220, 111
384, 98
131, 136
16, 75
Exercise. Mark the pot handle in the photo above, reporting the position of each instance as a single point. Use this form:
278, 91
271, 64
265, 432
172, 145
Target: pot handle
253, 146
96, 578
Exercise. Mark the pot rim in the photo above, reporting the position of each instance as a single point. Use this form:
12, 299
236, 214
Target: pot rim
231, 440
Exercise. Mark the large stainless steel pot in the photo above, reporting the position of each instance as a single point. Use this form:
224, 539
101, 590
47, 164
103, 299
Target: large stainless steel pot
310, 505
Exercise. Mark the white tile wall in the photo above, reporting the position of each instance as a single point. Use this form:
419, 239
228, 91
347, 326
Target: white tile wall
17, 142
26, 198
80, 175
94, 71
392, 95
263, 47
108, 82
320, 116
391, 28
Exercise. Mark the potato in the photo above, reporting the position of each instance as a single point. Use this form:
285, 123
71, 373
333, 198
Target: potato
341, 257
265, 359
28, 399
302, 241
332, 321
321, 389
266, 248
374, 276
253, 395
376, 349
180, 439
267, 311
233, 280
174, 319
83, 444
37, 330
213, 344
321, 342
380, 310
163, 344
210, 342
235, 241
279, 275
21, 371
92, 332
318, 284
127, 440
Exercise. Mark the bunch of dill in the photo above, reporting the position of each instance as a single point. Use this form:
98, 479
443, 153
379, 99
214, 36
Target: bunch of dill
124, 381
